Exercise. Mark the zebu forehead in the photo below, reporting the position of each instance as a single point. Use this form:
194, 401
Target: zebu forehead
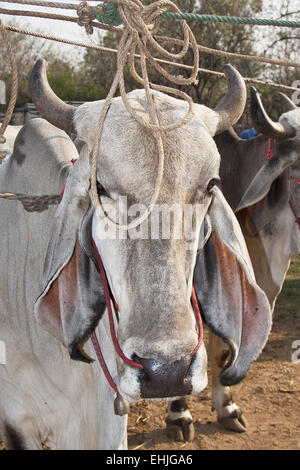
292, 119
128, 159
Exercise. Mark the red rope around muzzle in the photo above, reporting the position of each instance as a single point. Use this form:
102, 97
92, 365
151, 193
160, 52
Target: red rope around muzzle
109, 300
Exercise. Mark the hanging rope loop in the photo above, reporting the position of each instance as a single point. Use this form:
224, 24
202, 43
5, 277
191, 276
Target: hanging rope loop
140, 23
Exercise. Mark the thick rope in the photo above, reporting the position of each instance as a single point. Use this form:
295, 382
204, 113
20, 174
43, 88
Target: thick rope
110, 14
65, 6
174, 64
33, 203
81, 20
231, 19
14, 87
86, 15
138, 21
234, 55
138, 37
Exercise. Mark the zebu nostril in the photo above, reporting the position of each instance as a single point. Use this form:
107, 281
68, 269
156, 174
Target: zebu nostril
160, 380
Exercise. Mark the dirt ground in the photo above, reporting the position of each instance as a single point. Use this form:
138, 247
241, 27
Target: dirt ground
269, 398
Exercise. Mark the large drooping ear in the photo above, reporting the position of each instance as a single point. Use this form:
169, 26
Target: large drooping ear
269, 190
256, 216
286, 153
72, 299
232, 304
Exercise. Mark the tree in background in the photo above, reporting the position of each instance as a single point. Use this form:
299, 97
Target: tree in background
90, 77
67, 77
26, 50
70, 82
101, 66
283, 43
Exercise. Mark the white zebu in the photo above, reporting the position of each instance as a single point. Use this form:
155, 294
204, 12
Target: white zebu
47, 397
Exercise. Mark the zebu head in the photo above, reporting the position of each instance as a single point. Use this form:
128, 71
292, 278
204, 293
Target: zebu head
286, 140
151, 276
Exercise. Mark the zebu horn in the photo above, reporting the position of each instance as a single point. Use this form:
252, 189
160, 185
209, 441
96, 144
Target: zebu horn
264, 124
290, 106
50, 107
232, 106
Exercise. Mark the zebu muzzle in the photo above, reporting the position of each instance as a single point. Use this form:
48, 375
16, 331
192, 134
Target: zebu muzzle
157, 380
165, 380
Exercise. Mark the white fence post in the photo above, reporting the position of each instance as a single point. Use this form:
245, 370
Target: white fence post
2, 92
2, 353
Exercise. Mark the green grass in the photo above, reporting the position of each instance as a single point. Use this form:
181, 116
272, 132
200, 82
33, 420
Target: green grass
288, 302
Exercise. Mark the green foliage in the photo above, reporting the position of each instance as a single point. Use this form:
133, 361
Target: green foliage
71, 85
91, 78
226, 37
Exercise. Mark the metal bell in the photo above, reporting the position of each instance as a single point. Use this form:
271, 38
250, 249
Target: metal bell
121, 406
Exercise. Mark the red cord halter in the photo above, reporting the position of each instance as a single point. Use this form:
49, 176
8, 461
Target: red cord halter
109, 299
269, 152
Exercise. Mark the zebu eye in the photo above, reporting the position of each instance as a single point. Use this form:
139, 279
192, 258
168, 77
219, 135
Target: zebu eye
214, 182
101, 190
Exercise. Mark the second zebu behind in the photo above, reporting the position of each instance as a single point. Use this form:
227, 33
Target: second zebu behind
260, 179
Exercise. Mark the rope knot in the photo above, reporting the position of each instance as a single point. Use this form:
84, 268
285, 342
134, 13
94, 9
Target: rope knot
109, 14
140, 25
2, 139
269, 152
86, 16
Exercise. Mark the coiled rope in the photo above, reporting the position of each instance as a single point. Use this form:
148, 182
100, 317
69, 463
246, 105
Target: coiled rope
107, 13
140, 27
140, 24
81, 20
175, 64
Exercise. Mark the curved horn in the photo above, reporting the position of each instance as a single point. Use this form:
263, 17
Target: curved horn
265, 125
290, 106
47, 103
233, 104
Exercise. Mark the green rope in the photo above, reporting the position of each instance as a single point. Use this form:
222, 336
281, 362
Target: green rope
111, 16
231, 19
